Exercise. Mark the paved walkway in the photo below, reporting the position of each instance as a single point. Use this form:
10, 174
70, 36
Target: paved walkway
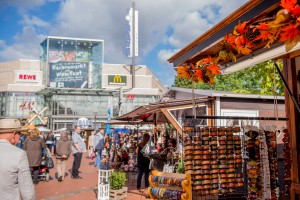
85, 189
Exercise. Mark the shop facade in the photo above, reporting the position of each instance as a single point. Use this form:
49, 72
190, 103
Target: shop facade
73, 82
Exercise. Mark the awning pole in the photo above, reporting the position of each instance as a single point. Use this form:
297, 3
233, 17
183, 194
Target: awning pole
238, 117
287, 87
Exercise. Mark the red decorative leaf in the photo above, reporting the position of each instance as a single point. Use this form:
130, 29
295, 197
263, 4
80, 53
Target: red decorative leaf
289, 33
241, 28
215, 69
198, 73
288, 4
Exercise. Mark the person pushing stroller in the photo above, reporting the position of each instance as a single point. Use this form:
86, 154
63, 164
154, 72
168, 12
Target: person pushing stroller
33, 146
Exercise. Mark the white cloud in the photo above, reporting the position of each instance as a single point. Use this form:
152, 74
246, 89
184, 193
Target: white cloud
23, 5
26, 46
34, 21
163, 56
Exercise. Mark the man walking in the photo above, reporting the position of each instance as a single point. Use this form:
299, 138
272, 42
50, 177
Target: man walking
99, 146
15, 181
78, 148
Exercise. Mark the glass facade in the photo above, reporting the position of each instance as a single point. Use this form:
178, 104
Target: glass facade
72, 63
72, 76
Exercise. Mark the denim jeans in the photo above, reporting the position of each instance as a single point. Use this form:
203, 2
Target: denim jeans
146, 177
98, 158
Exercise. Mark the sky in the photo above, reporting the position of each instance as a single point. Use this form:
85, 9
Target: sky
165, 27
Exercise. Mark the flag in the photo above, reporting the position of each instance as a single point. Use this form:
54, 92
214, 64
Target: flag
107, 129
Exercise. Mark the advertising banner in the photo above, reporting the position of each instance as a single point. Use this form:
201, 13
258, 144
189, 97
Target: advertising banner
55, 55
69, 74
117, 80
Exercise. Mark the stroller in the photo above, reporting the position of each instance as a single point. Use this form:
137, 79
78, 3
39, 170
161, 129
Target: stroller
43, 169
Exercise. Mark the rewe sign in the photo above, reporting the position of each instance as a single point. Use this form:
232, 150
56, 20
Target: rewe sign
27, 76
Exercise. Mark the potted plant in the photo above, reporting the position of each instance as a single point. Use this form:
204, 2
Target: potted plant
117, 181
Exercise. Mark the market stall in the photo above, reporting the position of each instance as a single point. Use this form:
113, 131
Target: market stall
260, 30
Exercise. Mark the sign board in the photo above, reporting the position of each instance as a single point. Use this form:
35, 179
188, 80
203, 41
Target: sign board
69, 74
27, 76
117, 80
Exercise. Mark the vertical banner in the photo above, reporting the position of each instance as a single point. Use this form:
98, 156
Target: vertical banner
107, 128
129, 33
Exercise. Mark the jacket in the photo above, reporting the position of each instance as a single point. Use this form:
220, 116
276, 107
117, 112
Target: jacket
33, 148
15, 181
97, 137
63, 147
100, 145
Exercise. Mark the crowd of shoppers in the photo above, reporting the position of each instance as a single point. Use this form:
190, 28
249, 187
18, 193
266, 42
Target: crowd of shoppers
20, 169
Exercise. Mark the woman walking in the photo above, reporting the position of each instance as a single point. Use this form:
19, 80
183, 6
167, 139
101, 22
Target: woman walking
63, 151
33, 146
91, 145
143, 162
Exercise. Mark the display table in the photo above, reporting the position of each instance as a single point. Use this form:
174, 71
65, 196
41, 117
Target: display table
164, 185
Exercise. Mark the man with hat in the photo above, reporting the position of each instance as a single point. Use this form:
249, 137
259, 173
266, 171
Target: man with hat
15, 181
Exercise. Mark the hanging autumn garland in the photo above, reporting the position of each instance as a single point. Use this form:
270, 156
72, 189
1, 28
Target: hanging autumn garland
246, 36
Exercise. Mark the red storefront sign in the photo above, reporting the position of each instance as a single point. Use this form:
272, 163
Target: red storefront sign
27, 77
130, 96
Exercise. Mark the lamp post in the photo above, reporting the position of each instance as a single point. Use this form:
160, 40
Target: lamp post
95, 114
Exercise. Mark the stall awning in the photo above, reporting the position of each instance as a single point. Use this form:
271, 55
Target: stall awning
151, 113
211, 43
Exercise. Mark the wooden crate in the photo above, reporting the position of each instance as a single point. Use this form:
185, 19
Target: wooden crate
118, 194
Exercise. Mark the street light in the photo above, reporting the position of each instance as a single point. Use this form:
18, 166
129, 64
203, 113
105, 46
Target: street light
95, 114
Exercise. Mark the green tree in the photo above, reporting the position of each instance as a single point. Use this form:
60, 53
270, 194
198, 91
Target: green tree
258, 79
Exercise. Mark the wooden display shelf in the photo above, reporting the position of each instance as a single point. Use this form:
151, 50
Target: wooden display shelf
186, 185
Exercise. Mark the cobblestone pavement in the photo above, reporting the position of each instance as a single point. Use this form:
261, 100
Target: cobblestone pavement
85, 188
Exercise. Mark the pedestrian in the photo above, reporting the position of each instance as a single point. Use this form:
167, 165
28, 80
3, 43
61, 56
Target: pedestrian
78, 147
143, 162
63, 151
33, 146
49, 141
15, 182
107, 145
99, 146
91, 145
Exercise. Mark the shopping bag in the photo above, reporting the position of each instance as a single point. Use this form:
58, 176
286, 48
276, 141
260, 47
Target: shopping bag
49, 163
93, 155
168, 168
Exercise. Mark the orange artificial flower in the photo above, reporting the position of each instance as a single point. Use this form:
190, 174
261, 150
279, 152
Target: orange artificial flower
183, 72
